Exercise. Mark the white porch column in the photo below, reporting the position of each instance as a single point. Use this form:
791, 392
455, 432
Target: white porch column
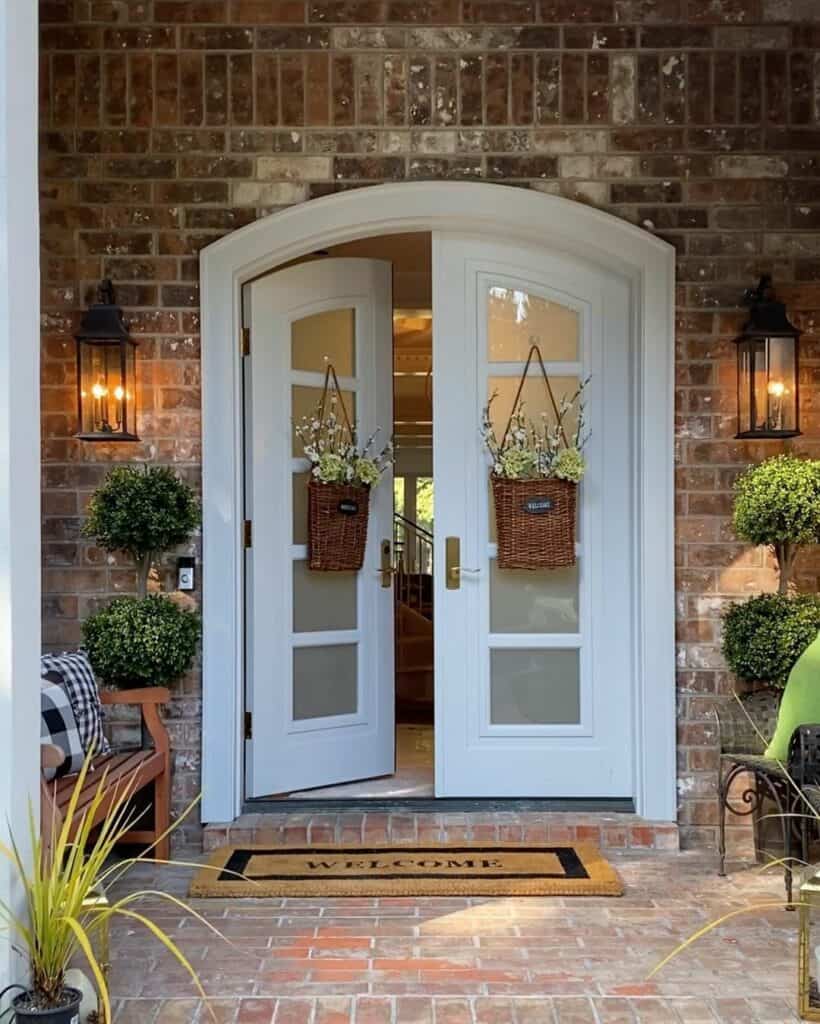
19, 434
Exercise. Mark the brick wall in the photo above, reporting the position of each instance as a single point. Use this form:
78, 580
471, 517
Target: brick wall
169, 123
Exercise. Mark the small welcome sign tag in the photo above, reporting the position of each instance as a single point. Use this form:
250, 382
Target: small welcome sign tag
538, 506
348, 507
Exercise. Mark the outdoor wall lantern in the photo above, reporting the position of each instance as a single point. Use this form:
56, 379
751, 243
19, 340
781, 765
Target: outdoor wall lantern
768, 400
106, 372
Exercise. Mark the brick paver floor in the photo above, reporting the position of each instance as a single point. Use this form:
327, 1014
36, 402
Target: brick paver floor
473, 961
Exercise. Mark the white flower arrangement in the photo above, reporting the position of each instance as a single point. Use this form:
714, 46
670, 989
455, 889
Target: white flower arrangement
532, 451
330, 446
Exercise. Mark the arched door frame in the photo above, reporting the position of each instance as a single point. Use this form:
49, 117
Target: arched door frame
493, 211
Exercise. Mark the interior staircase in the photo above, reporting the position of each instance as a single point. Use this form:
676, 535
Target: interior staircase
413, 545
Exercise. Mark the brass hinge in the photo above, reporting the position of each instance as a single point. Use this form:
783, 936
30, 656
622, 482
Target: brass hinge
245, 341
248, 725
247, 533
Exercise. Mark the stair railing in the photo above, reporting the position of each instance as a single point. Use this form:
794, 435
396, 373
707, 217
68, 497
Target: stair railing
413, 546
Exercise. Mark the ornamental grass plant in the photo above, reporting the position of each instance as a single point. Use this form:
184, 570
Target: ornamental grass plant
54, 926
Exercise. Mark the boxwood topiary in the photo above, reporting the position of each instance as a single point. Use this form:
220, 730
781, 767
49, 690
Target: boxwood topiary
778, 503
147, 641
142, 510
764, 636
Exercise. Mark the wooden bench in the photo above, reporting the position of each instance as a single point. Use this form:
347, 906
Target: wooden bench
149, 765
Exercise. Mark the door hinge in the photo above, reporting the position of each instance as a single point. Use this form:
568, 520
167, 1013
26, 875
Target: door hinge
247, 533
245, 341
248, 725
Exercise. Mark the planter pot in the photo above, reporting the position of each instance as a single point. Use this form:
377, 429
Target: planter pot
67, 1014
337, 526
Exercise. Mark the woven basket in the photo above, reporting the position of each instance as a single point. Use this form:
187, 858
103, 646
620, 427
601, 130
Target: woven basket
337, 526
535, 523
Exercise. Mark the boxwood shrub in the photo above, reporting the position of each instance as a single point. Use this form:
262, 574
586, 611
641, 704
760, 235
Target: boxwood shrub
147, 641
764, 636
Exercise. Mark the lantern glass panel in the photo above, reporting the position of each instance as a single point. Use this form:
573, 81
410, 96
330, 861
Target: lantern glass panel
129, 404
107, 389
781, 405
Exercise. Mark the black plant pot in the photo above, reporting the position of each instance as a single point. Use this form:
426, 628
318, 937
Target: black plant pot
66, 1014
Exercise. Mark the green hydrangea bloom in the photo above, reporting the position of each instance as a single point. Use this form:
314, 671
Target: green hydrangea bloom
330, 468
366, 471
569, 465
517, 463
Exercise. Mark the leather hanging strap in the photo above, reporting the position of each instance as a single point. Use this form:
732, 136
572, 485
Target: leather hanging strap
330, 375
534, 351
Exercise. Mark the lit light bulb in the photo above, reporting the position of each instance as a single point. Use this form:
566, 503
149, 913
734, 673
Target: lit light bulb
99, 391
118, 393
776, 388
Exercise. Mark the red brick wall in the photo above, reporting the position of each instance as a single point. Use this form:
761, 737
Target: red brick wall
167, 123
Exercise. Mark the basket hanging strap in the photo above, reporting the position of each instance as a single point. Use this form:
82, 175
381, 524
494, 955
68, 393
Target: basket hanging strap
330, 374
535, 351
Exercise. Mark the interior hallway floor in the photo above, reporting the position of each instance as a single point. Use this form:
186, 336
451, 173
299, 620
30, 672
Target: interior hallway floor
414, 775
472, 961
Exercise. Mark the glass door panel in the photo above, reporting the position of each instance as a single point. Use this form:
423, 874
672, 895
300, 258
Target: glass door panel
532, 687
517, 319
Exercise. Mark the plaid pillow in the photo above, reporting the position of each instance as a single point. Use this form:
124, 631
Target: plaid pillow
77, 679
58, 726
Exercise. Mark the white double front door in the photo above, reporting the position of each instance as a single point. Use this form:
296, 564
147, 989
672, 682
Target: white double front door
533, 670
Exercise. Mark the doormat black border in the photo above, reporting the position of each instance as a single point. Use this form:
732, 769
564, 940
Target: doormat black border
422, 805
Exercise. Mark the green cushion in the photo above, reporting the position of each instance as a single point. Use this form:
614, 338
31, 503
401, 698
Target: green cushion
801, 700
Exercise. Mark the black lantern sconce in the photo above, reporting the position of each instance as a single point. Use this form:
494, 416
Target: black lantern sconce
106, 372
768, 399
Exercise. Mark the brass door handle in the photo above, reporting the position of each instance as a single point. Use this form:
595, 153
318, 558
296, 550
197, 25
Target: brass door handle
454, 570
387, 570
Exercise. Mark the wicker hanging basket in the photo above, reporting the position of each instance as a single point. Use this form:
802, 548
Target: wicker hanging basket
337, 526
534, 523
534, 518
337, 513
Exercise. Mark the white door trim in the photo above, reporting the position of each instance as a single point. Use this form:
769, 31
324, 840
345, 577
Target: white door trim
492, 211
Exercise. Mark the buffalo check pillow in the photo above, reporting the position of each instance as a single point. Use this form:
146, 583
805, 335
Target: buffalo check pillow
77, 679
59, 727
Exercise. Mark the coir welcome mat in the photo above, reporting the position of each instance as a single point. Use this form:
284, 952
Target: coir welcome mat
491, 869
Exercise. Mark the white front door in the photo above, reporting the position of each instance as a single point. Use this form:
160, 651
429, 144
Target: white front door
533, 670
320, 644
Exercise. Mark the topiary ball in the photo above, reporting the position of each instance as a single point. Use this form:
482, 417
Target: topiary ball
764, 636
147, 641
778, 502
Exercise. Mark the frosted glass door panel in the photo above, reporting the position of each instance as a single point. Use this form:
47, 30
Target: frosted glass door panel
325, 681
516, 320
533, 602
534, 687
323, 338
535, 399
323, 601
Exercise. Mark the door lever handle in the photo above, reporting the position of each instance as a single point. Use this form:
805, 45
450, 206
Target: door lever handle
452, 552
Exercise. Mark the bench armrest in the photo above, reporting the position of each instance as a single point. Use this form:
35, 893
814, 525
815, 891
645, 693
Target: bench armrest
143, 695
149, 700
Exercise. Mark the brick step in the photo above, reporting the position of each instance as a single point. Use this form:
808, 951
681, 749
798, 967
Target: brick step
610, 831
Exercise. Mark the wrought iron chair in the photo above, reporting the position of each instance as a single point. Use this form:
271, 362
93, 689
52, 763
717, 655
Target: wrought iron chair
744, 727
804, 770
